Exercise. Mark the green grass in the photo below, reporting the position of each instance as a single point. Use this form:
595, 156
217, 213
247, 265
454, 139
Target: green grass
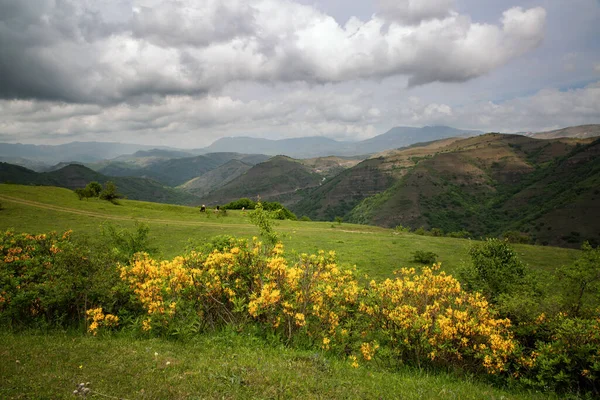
219, 366
375, 251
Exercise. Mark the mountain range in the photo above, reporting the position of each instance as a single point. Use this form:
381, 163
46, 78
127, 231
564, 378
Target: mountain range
320, 146
543, 185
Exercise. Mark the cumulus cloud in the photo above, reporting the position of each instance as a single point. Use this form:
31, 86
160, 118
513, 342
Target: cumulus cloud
187, 121
415, 11
195, 121
544, 110
113, 51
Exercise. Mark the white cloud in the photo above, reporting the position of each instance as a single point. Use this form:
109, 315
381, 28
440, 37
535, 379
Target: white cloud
188, 47
187, 121
415, 11
546, 109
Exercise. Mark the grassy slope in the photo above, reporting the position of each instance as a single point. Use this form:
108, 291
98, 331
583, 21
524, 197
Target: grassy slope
375, 251
209, 367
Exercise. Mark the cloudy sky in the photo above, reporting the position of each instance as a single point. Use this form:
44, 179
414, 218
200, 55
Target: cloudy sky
186, 72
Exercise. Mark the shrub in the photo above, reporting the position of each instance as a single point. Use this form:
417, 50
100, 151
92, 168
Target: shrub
50, 279
283, 213
260, 218
428, 318
124, 243
420, 231
459, 234
400, 228
339, 220
570, 360
424, 257
495, 269
239, 204
516, 237
436, 232
305, 218
580, 283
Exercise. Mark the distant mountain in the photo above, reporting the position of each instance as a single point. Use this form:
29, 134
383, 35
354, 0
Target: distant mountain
24, 162
77, 176
399, 137
173, 171
297, 147
86, 152
224, 157
278, 179
310, 147
170, 172
581, 132
218, 177
144, 158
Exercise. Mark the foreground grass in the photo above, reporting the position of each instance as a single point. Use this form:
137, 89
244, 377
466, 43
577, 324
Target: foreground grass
375, 251
220, 366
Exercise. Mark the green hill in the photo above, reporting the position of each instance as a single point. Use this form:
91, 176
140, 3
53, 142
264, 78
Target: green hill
496, 183
77, 176
218, 177
170, 172
279, 179
339, 195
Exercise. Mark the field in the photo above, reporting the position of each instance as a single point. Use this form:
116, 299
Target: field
234, 362
375, 251
223, 366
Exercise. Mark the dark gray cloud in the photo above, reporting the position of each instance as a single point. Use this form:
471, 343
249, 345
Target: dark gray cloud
75, 51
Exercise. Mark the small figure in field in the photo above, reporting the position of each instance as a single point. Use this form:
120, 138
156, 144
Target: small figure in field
202, 208
244, 210
217, 209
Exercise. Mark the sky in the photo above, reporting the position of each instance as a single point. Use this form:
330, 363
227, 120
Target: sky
184, 73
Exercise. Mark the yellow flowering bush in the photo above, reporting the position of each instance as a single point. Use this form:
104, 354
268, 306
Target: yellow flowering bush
428, 317
31, 285
314, 297
212, 289
98, 320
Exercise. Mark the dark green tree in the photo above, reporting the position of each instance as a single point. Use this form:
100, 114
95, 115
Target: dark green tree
110, 193
94, 188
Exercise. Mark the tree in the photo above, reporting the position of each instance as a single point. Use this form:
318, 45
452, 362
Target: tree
110, 192
94, 188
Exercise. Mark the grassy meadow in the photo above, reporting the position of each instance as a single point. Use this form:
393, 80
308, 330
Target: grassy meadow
375, 251
221, 366
236, 362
